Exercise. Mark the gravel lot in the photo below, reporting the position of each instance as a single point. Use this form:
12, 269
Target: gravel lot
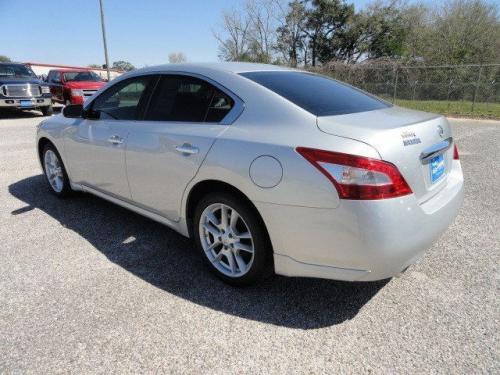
86, 286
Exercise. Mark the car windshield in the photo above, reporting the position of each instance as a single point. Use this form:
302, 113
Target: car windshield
82, 76
15, 70
319, 95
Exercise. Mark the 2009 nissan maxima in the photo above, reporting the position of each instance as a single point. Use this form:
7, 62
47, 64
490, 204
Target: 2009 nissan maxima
268, 169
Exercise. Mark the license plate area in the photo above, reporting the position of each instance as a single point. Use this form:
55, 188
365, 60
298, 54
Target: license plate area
26, 103
437, 168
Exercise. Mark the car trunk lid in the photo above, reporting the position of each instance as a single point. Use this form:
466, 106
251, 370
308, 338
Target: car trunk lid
411, 140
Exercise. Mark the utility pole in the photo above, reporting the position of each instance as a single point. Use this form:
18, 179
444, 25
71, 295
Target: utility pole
395, 89
104, 41
476, 88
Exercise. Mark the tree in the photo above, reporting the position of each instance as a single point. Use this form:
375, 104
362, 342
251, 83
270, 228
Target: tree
465, 31
4, 59
233, 40
95, 66
249, 34
123, 65
327, 21
321, 31
176, 58
456, 32
417, 40
262, 32
291, 40
383, 30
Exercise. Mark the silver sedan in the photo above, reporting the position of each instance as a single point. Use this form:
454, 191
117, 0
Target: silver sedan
268, 169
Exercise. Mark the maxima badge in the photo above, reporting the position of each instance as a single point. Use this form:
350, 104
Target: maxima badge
410, 138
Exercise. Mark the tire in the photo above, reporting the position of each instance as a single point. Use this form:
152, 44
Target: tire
239, 252
58, 185
6, 112
47, 111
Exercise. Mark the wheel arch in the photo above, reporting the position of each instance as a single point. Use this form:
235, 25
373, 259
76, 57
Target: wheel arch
42, 142
66, 95
202, 188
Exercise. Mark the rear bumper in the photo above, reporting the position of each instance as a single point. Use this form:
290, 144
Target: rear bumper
360, 240
16, 102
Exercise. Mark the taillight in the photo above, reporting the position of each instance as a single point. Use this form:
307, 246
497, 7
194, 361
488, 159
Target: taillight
455, 152
358, 177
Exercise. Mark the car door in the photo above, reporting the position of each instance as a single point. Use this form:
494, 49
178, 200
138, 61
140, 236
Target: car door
56, 86
166, 148
96, 144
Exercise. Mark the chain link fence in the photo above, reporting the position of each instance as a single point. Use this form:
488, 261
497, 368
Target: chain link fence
473, 87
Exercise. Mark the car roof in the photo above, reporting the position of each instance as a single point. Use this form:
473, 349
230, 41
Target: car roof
228, 67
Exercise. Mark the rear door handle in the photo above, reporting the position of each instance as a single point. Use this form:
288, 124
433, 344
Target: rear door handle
187, 149
115, 139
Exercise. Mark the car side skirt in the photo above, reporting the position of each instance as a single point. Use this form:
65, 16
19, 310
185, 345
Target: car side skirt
179, 227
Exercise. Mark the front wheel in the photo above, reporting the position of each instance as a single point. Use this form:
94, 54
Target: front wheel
47, 111
55, 172
232, 239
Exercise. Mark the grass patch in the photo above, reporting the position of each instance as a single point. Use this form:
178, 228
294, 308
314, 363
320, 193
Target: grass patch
458, 109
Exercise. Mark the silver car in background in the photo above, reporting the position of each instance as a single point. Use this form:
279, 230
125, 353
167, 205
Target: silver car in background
267, 168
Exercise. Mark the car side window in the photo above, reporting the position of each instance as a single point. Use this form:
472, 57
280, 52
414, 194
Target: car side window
219, 107
121, 101
51, 76
187, 99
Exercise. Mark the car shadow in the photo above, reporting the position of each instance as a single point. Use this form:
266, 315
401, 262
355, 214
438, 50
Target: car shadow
12, 114
167, 260
17, 114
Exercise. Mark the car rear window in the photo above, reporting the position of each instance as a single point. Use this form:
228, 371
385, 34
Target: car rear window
322, 96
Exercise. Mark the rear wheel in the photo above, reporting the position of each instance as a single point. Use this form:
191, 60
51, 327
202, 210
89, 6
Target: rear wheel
232, 239
55, 172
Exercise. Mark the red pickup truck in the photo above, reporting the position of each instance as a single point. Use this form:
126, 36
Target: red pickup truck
73, 86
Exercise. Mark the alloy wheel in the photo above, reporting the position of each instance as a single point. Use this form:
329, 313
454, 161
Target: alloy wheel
226, 240
53, 171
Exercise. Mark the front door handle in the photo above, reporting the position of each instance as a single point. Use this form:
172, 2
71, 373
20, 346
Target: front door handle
187, 149
115, 139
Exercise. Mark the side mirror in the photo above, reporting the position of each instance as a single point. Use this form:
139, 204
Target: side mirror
73, 111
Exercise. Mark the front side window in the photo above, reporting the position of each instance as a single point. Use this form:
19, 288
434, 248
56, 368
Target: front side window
53, 76
317, 94
187, 99
121, 101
